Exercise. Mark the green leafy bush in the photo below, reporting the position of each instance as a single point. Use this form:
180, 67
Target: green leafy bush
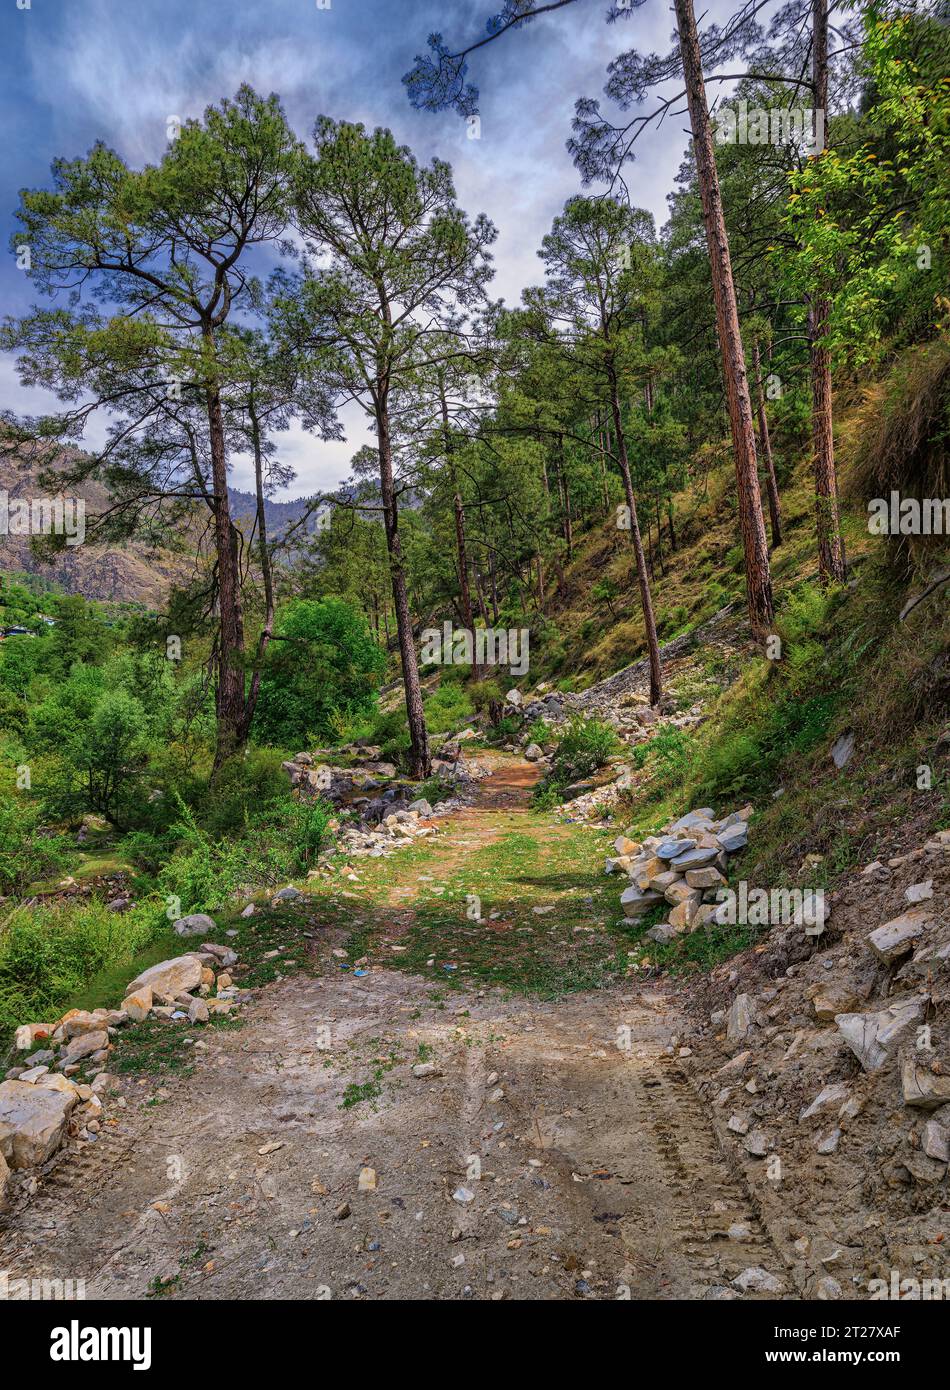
25, 854
47, 954
323, 664
585, 745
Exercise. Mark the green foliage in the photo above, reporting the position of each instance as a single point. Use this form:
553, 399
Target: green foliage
449, 707
323, 664
584, 746
27, 854
48, 953
241, 787
280, 840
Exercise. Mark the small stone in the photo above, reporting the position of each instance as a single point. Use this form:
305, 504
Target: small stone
85, 1045
367, 1180
922, 1087
463, 1195
758, 1280
33, 1074
830, 1142
920, 892
936, 1141
842, 750
756, 1144
873, 1037
426, 1069
740, 1018
198, 1011
197, 924
833, 1094
290, 894
898, 937
137, 1005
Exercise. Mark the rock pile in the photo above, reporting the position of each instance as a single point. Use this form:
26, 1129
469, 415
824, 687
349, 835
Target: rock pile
43, 1098
384, 812
684, 868
827, 1060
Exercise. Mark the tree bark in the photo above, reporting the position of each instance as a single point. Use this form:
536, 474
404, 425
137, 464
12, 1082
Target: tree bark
771, 483
601, 444
831, 558
458, 512
267, 573
646, 599
565, 499
751, 520
229, 697
419, 761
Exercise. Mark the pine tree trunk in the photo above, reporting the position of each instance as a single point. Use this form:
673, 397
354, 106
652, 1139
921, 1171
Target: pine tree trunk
602, 443
751, 519
646, 599
831, 559
565, 499
267, 572
493, 578
458, 511
231, 734
771, 482
419, 761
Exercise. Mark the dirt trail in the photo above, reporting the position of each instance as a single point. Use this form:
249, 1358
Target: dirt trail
590, 1169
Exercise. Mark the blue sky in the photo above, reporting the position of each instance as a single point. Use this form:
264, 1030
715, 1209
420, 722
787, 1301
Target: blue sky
75, 71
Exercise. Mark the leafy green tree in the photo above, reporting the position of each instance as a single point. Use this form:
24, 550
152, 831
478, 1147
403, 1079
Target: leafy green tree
163, 250
404, 264
324, 663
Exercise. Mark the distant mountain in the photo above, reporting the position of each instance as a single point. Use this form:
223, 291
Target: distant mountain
133, 572
278, 515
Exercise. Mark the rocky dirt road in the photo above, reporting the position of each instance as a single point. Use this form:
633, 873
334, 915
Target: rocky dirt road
546, 1151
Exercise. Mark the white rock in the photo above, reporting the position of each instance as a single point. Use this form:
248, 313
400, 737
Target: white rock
936, 1141
872, 1037
197, 924
896, 938
32, 1122
170, 977
758, 1280
740, 1018
834, 1094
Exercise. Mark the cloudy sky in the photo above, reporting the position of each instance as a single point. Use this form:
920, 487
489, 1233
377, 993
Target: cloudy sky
77, 71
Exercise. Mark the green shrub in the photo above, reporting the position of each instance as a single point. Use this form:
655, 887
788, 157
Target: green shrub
242, 785
47, 954
666, 756
585, 745
324, 665
447, 708
25, 854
